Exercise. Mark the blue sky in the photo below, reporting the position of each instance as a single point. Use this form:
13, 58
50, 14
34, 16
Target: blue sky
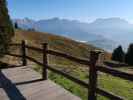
83, 10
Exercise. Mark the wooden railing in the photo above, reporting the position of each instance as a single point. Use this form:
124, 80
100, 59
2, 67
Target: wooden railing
92, 87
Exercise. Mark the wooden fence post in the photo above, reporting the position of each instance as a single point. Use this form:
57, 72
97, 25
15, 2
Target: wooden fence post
23, 50
45, 62
93, 75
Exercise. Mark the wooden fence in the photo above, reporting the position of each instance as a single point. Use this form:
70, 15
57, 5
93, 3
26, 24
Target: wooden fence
92, 87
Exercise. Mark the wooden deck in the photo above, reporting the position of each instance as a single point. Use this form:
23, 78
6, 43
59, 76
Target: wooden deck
23, 83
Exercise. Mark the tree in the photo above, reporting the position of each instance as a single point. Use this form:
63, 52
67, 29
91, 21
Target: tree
6, 27
16, 25
118, 54
129, 55
31, 29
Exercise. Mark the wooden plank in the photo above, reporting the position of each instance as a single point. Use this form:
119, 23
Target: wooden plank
3, 95
53, 93
16, 80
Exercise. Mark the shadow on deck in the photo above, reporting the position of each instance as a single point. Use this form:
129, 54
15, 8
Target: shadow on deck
10, 88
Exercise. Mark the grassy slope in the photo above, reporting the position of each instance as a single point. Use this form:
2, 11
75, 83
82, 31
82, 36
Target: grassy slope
55, 42
115, 85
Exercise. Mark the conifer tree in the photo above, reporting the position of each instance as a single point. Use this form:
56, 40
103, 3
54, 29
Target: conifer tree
118, 54
6, 27
129, 55
16, 25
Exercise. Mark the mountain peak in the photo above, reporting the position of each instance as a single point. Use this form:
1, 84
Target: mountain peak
28, 19
109, 23
55, 19
24, 21
114, 20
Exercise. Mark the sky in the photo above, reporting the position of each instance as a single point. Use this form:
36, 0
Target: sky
83, 10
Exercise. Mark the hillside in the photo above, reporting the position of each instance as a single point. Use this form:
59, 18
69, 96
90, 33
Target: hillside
111, 30
64, 27
77, 49
55, 42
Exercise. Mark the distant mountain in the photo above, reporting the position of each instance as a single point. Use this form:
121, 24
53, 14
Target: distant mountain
104, 43
113, 28
68, 28
104, 33
24, 23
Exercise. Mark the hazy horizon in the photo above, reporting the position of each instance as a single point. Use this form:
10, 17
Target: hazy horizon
84, 11
91, 21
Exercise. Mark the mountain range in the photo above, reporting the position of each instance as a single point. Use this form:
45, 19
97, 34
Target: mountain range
104, 33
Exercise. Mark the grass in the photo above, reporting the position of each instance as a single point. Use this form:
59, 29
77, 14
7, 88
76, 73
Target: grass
69, 85
116, 85
112, 84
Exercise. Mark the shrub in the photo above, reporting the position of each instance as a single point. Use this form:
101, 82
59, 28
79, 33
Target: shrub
118, 54
129, 55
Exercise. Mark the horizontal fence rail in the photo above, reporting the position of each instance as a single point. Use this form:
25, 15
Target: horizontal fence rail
34, 48
115, 72
60, 72
72, 78
75, 59
108, 94
8, 67
82, 83
9, 54
15, 44
56, 53
94, 68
